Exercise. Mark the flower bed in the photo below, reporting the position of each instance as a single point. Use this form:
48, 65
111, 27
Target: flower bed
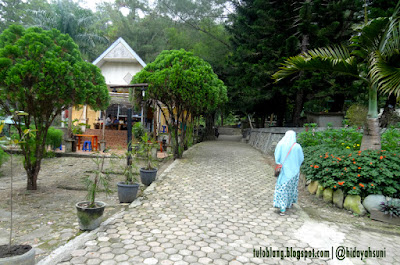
354, 172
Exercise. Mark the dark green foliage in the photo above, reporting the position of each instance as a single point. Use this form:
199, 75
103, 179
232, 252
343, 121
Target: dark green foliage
185, 84
391, 207
42, 73
54, 137
264, 33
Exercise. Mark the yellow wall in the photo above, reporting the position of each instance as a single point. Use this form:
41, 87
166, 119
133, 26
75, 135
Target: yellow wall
91, 115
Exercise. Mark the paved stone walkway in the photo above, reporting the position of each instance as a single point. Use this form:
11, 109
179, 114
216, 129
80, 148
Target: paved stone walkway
215, 207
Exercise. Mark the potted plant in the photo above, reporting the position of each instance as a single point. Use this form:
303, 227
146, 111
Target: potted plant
389, 212
9, 253
148, 173
138, 132
128, 189
90, 212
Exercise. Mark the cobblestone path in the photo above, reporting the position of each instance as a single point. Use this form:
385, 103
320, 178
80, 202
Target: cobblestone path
215, 207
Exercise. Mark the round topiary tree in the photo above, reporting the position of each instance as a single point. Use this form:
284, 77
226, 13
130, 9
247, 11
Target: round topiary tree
42, 74
185, 85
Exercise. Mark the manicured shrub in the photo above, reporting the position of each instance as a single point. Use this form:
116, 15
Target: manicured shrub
54, 137
346, 138
355, 172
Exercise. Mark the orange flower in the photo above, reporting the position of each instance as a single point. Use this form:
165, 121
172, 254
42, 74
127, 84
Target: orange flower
316, 166
384, 156
339, 159
354, 162
345, 169
342, 174
359, 167
370, 163
372, 184
320, 156
354, 188
359, 152
394, 154
334, 186
340, 183
326, 169
350, 155
381, 157
358, 175
361, 185
311, 165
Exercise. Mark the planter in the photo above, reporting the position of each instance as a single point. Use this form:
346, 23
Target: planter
89, 218
25, 255
380, 216
102, 145
70, 145
127, 192
148, 176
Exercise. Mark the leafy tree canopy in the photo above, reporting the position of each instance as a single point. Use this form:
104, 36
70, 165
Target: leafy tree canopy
184, 83
42, 73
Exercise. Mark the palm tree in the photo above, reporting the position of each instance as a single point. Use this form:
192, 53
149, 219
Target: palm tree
372, 56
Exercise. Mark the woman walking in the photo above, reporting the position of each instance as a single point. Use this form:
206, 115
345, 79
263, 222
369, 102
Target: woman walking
290, 155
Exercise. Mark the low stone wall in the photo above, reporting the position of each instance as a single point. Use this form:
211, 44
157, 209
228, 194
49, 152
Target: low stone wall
266, 139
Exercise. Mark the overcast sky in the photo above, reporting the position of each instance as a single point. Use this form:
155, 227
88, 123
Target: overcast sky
91, 4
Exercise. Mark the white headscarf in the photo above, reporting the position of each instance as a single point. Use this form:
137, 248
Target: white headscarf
291, 166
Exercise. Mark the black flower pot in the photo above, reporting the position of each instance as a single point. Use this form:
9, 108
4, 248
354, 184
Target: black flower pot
127, 192
89, 218
148, 176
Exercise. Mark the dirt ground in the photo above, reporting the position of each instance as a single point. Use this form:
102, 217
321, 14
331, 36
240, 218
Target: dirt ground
46, 218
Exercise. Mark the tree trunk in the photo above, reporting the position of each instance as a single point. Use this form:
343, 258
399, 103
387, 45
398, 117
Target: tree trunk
371, 138
210, 133
32, 174
298, 107
388, 112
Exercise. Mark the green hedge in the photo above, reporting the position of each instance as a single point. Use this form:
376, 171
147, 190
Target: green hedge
54, 137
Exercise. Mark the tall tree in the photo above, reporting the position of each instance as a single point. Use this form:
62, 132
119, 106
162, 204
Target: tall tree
373, 58
69, 18
184, 84
264, 34
42, 73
